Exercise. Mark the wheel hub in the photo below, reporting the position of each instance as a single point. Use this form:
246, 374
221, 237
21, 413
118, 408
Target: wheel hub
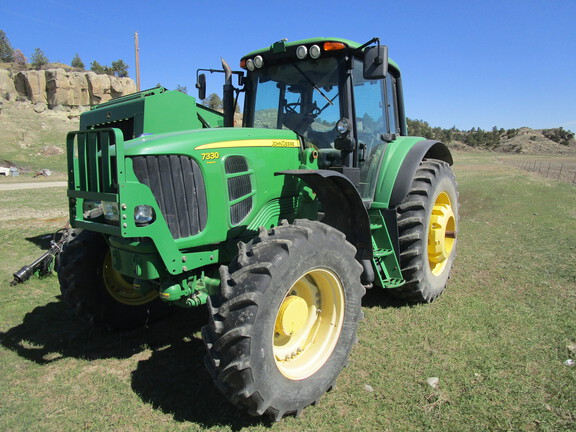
292, 315
122, 290
441, 234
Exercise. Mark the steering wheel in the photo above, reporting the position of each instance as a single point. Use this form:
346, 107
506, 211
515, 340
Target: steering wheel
291, 108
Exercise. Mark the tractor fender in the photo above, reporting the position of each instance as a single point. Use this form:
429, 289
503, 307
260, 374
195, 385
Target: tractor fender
419, 151
343, 207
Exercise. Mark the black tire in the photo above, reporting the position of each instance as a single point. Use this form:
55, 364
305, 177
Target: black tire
261, 292
84, 272
428, 239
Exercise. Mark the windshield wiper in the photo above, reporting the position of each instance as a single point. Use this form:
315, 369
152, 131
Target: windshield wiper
311, 82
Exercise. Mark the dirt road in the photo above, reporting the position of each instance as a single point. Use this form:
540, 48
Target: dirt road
17, 186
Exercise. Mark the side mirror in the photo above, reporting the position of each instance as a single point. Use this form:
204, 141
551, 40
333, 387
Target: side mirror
201, 86
375, 62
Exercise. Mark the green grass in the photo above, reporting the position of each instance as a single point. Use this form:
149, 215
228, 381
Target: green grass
496, 339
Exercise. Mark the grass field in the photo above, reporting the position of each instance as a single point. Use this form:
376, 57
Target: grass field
497, 339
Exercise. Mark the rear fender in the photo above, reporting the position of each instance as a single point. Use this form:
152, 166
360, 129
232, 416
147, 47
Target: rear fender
421, 150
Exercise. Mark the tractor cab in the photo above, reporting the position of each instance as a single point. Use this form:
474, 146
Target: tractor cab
340, 97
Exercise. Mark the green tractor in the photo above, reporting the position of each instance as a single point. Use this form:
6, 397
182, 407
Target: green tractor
278, 226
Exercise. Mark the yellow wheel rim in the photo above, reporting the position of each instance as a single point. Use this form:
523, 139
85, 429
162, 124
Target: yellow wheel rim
120, 289
308, 324
441, 234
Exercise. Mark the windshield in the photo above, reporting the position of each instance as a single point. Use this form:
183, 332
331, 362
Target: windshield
303, 97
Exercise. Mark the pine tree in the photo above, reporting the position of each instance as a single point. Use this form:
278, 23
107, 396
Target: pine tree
6, 50
119, 68
77, 62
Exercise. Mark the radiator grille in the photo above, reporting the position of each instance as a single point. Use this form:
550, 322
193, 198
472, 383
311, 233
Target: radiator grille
177, 184
239, 188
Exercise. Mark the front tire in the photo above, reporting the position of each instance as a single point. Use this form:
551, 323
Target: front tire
97, 292
428, 226
282, 328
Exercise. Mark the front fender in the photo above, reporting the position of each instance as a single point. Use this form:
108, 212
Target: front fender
342, 204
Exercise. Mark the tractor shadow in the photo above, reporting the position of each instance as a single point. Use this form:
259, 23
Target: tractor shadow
381, 298
172, 378
175, 381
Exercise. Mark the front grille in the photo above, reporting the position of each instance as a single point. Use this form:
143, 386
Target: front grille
94, 167
239, 188
177, 184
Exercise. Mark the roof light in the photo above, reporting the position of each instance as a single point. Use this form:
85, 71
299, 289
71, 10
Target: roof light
258, 61
243, 63
250, 64
301, 52
334, 46
314, 51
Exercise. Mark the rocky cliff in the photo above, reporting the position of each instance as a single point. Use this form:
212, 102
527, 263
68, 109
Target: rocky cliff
58, 87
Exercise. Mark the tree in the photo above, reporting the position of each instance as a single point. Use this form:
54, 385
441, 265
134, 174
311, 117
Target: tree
6, 50
182, 89
77, 62
119, 68
97, 68
19, 58
38, 59
213, 101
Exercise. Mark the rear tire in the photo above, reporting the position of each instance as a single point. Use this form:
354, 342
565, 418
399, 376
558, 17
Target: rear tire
283, 325
100, 294
428, 227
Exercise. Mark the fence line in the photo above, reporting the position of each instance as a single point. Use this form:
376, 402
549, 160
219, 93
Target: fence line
561, 171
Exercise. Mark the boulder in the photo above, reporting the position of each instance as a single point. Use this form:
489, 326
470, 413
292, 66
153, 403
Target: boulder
31, 85
99, 88
7, 87
66, 88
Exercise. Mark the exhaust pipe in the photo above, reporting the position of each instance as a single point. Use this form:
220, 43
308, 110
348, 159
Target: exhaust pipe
228, 93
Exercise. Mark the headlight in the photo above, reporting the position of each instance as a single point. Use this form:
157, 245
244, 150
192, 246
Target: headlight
315, 51
343, 126
111, 213
144, 215
301, 52
250, 64
258, 61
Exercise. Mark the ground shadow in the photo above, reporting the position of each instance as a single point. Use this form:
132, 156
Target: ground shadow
52, 332
381, 298
175, 381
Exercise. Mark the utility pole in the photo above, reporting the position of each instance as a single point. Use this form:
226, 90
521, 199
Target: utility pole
137, 52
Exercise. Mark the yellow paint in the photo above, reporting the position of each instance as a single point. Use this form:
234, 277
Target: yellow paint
308, 324
251, 143
441, 235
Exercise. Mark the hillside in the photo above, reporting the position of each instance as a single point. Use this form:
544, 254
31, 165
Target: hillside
523, 140
39, 107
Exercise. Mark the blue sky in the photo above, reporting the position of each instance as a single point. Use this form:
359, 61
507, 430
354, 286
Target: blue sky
505, 63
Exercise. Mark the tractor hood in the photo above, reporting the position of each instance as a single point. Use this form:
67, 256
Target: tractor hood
210, 140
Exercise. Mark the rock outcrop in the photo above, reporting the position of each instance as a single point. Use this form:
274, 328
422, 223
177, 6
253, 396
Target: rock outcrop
58, 87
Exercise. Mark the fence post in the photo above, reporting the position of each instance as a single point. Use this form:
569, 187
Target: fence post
560, 173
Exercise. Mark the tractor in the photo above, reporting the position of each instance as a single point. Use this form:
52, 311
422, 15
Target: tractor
278, 227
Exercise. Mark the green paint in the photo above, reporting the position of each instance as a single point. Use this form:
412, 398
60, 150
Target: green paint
239, 200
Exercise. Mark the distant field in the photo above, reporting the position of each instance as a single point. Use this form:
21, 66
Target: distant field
497, 339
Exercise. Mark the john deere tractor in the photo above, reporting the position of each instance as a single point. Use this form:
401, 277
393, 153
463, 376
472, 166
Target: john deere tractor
278, 226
